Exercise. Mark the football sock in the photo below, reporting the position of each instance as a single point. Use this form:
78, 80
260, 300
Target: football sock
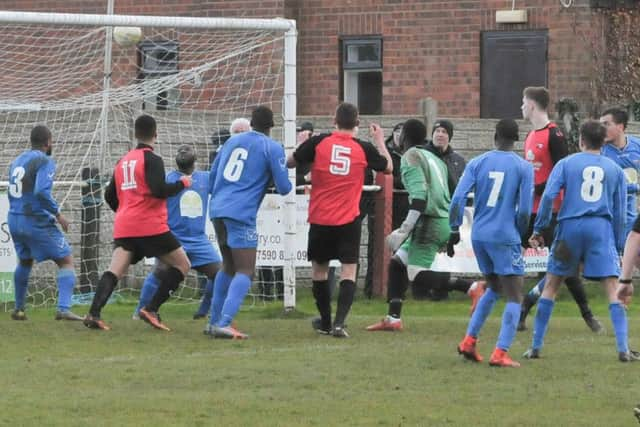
510, 318
149, 288
20, 284
169, 281
106, 285
395, 308
482, 311
238, 289
66, 282
541, 323
620, 326
396, 287
577, 291
206, 298
220, 290
345, 299
322, 295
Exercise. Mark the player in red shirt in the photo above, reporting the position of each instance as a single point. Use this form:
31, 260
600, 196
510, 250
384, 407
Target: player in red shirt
137, 193
544, 146
339, 161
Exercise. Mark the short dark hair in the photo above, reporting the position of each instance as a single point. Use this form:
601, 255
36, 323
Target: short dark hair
145, 127
414, 132
40, 136
538, 94
618, 115
592, 134
507, 130
262, 118
346, 116
185, 157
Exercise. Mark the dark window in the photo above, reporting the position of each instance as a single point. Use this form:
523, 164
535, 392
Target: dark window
361, 72
159, 59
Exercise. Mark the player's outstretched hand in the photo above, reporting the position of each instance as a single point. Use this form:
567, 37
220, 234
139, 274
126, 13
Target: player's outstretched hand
63, 222
186, 180
396, 238
624, 293
536, 241
377, 133
454, 239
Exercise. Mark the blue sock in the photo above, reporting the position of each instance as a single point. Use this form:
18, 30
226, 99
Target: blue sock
541, 322
619, 320
20, 284
66, 283
149, 288
510, 317
206, 299
482, 311
220, 290
536, 291
237, 291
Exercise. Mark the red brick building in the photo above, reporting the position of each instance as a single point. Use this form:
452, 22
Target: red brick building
387, 55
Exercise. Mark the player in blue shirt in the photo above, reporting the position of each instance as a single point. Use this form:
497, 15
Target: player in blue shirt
625, 151
187, 213
591, 230
503, 186
243, 169
32, 217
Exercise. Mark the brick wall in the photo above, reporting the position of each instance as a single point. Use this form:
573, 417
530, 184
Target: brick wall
431, 47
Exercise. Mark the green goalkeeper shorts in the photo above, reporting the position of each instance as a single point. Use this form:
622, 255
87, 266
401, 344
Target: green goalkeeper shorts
429, 236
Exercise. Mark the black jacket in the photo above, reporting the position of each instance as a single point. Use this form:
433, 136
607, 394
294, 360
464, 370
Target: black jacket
454, 161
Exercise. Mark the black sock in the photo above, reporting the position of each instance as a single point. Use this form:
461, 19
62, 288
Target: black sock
577, 291
169, 281
397, 282
527, 303
322, 295
106, 285
345, 299
459, 285
395, 308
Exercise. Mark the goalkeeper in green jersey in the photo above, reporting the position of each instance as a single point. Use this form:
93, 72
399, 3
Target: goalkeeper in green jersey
425, 231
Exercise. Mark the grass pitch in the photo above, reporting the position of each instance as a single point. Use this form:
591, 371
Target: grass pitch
62, 374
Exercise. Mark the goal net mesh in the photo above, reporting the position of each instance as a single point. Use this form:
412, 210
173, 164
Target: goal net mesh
193, 81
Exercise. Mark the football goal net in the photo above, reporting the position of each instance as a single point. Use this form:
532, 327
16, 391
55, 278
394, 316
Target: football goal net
87, 77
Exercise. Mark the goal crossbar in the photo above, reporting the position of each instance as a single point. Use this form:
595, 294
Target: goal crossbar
275, 24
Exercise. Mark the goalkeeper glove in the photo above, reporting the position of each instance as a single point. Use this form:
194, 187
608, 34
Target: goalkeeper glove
454, 239
398, 236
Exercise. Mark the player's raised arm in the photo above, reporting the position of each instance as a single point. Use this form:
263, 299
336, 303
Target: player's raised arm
277, 164
525, 202
378, 139
155, 177
555, 183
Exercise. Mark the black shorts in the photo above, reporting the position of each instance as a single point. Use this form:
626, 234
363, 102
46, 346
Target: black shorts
341, 242
547, 233
148, 246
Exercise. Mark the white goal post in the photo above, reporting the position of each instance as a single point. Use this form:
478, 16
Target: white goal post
66, 70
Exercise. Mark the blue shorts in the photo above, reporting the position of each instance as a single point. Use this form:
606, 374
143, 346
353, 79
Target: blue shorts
235, 234
201, 252
37, 238
500, 259
589, 240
